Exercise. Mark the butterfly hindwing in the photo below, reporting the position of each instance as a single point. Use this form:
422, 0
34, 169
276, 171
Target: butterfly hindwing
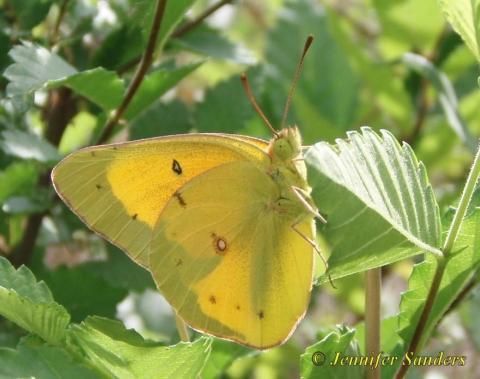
228, 262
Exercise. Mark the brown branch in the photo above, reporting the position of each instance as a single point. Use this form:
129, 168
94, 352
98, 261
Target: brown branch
58, 22
185, 28
142, 69
60, 109
180, 31
423, 103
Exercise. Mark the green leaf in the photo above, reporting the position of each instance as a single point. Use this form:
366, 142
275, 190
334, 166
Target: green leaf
378, 201
222, 356
209, 42
119, 271
401, 31
464, 15
161, 119
462, 265
155, 85
34, 66
174, 13
30, 13
320, 359
225, 108
18, 178
83, 292
29, 303
35, 203
100, 86
30, 360
327, 91
446, 96
122, 353
28, 146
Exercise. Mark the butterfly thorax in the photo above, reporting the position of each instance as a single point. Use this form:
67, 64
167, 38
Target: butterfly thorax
288, 169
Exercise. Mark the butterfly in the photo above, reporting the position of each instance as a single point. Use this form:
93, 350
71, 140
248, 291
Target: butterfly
224, 223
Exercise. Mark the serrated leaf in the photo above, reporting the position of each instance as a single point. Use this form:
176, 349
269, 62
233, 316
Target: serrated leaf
29, 304
30, 360
209, 42
74, 288
28, 146
378, 201
464, 16
124, 353
325, 353
461, 266
446, 96
34, 66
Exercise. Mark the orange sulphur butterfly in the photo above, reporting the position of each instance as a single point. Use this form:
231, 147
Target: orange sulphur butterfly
224, 223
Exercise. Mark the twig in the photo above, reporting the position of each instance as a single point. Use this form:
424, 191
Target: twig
198, 20
423, 103
180, 31
372, 318
142, 69
60, 109
58, 22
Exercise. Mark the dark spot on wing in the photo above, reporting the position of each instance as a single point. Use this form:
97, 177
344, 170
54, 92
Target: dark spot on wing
92, 153
219, 244
212, 299
176, 168
237, 307
99, 186
135, 216
179, 262
180, 199
261, 315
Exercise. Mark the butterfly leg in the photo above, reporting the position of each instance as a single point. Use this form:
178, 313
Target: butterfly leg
314, 245
303, 196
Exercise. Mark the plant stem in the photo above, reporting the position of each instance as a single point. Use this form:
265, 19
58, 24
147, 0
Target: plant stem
142, 69
372, 318
195, 22
422, 322
182, 328
452, 235
467, 194
61, 14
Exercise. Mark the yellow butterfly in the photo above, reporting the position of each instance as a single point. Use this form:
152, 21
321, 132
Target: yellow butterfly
224, 223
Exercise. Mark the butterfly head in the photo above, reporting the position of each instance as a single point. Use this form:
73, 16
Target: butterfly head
286, 144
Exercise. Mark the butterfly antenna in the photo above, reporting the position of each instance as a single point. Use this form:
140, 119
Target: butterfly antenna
298, 70
248, 90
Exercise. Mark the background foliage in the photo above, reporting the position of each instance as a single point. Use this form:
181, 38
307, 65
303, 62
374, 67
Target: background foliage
394, 65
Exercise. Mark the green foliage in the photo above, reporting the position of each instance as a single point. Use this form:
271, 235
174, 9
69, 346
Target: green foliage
392, 65
30, 305
321, 359
378, 201
464, 15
